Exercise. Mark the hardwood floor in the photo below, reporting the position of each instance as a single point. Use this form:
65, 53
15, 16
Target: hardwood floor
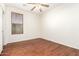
38, 47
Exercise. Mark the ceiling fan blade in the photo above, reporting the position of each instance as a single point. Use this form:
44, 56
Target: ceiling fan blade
31, 3
33, 8
40, 10
44, 5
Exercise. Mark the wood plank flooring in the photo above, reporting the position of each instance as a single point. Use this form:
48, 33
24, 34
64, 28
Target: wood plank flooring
38, 47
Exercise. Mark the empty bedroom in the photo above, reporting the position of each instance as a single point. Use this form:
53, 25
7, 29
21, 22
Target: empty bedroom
39, 29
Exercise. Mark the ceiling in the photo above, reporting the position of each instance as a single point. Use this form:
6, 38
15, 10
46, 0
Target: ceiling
28, 7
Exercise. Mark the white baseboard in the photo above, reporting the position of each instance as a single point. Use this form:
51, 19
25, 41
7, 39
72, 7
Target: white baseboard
60, 42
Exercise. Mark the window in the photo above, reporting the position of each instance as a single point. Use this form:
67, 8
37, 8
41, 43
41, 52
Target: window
16, 23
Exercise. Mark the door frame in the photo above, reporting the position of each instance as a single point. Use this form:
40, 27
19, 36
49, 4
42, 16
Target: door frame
1, 28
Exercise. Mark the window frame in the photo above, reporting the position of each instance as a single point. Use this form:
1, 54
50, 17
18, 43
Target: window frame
16, 23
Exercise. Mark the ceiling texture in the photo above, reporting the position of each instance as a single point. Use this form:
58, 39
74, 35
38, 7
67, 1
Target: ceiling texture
34, 7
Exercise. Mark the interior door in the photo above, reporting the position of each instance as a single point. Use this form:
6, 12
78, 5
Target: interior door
1, 29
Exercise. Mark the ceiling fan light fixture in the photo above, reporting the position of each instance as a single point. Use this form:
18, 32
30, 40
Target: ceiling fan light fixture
37, 6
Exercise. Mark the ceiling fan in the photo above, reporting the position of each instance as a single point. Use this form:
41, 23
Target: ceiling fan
39, 5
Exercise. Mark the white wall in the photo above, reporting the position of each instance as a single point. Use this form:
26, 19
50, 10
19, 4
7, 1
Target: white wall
30, 24
61, 25
1, 29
